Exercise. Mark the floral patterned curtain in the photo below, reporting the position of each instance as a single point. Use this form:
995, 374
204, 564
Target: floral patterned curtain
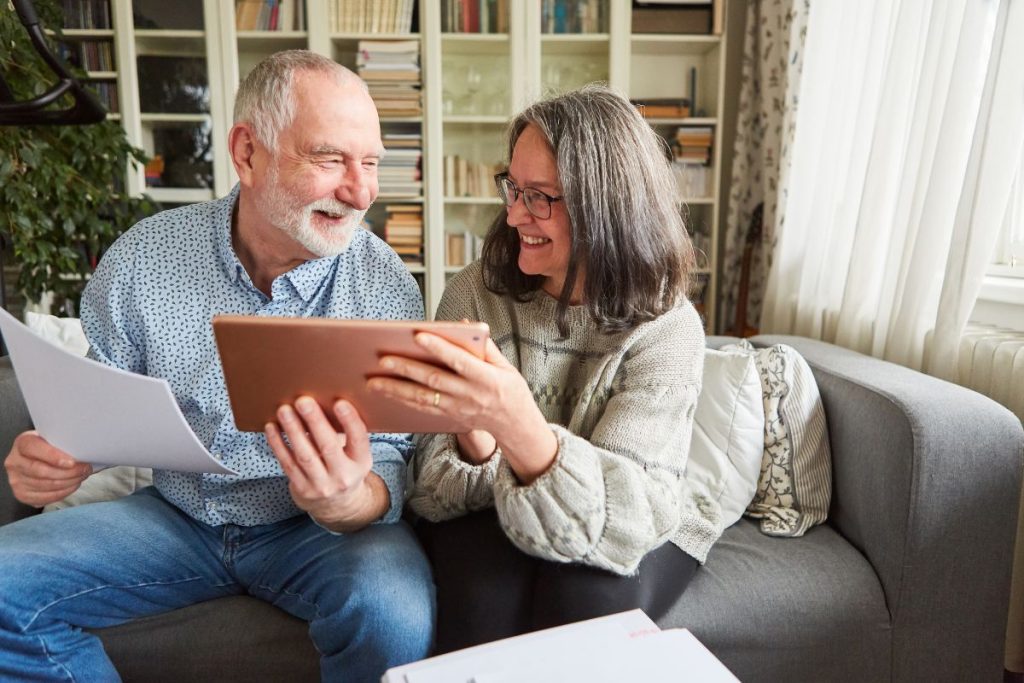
772, 64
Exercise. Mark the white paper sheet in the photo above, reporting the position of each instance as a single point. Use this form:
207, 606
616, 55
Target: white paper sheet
99, 414
672, 656
550, 648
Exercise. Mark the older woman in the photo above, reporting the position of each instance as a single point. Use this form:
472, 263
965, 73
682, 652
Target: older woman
563, 496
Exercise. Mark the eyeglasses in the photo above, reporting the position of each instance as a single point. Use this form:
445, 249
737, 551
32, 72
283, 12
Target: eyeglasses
537, 202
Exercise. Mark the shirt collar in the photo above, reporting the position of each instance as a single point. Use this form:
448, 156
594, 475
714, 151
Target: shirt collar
306, 279
225, 250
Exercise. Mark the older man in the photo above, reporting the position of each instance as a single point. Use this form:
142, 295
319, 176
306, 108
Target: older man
311, 525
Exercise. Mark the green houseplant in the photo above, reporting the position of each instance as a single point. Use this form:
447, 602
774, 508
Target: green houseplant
62, 198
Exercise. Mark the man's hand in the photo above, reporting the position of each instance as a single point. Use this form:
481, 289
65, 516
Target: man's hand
328, 473
41, 474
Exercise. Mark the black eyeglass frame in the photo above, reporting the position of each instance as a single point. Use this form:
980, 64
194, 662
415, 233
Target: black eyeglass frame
499, 181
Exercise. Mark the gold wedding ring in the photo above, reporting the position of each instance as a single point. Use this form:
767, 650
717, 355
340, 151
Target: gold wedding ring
437, 398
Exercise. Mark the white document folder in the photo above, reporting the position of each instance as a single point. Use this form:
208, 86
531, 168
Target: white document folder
100, 414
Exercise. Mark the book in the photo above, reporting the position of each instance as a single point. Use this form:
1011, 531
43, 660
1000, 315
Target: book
663, 107
684, 19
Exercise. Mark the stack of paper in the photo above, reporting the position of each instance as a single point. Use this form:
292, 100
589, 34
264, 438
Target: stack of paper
621, 647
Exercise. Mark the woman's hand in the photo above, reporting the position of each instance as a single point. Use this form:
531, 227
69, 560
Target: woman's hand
328, 472
487, 395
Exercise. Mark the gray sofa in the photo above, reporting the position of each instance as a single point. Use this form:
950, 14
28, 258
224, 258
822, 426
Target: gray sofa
909, 579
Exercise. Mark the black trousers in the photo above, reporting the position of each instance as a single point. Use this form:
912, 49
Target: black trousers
488, 589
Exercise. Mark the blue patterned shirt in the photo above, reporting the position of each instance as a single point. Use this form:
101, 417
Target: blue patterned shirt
148, 308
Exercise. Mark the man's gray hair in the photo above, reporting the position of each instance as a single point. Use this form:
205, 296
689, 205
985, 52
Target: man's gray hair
265, 98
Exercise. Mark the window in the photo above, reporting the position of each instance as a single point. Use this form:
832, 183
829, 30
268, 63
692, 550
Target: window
1009, 256
1001, 299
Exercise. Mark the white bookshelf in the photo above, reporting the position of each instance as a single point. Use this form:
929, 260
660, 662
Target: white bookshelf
508, 69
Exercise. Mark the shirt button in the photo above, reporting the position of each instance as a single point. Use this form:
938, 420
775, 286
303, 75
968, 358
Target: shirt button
212, 505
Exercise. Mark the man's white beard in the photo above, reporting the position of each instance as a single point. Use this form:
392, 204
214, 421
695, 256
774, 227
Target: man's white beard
295, 220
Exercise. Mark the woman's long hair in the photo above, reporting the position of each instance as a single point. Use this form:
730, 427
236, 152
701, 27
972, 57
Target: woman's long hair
628, 239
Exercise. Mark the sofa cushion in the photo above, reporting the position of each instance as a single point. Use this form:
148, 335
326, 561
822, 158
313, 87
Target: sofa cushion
728, 433
813, 602
64, 332
214, 641
795, 487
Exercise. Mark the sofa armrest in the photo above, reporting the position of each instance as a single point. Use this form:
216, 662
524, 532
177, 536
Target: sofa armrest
14, 419
926, 483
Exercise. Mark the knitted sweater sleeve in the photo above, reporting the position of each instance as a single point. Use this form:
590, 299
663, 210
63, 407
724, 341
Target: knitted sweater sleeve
609, 499
446, 486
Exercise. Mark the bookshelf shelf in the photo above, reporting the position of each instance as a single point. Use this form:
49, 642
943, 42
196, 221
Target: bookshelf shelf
399, 198
473, 200
101, 75
271, 36
86, 33
168, 35
474, 119
474, 38
352, 37
180, 195
173, 118
680, 121
694, 43
574, 38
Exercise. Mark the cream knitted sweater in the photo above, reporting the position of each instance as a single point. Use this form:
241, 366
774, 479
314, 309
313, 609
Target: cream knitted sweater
621, 406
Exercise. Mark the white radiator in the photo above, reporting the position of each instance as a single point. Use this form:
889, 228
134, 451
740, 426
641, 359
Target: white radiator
992, 363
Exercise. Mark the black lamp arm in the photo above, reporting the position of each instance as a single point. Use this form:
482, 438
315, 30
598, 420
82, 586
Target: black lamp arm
85, 109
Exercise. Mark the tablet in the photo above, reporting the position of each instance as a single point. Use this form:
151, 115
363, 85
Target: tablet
271, 361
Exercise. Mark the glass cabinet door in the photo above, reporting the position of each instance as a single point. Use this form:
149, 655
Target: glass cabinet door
174, 99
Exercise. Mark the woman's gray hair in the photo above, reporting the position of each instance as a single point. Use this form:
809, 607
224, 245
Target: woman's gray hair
265, 98
629, 241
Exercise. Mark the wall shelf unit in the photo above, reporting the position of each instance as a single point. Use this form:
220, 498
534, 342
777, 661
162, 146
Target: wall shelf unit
177, 65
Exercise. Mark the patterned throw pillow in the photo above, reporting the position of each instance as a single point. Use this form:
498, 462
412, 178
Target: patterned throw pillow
795, 486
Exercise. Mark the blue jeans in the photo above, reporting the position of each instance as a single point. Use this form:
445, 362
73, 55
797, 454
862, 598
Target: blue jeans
368, 596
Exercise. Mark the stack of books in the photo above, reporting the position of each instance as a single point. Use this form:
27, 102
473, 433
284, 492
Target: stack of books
270, 15
403, 232
693, 180
691, 150
474, 16
391, 68
465, 178
663, 107
693, 144
574, 16
91, 55
86, 13
370, 16
462, 248
400, 171
106, 93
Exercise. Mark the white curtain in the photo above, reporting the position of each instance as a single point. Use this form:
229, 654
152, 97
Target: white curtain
911, 119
